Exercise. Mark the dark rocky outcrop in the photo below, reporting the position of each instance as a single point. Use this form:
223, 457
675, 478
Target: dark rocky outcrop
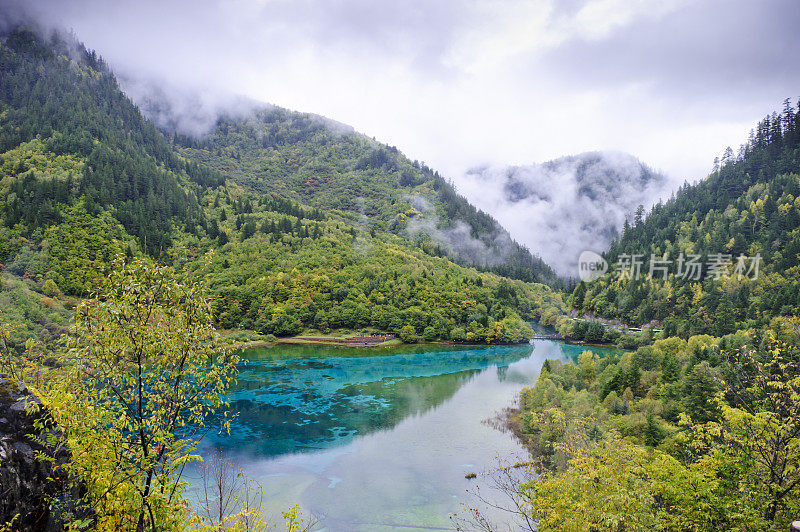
35, 490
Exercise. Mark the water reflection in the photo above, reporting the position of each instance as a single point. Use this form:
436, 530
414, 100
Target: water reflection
316, 400
375, 439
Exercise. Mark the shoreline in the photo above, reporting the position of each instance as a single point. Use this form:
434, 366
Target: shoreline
341, 340
508, 420
604, 346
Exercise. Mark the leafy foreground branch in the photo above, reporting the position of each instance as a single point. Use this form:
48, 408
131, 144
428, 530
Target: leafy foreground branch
143, 371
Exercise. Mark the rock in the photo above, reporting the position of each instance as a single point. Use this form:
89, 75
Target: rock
24, 448
19, 406
29, 487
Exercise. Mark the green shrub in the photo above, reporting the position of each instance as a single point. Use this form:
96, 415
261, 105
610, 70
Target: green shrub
50, 289
458, 334
408, 334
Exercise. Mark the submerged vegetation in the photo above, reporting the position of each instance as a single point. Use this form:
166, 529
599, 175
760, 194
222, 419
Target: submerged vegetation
143, 371
122, 250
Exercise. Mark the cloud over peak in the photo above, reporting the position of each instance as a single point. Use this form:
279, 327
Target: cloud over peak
562, 207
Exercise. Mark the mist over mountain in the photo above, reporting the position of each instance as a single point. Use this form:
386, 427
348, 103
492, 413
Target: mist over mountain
270, 150
562, 207
195, 111
161, 227
586, 196
183, 110
301, 221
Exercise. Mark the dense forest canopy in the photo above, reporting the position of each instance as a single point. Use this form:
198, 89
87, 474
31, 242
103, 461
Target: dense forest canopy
125, 248
698, 427
312, 160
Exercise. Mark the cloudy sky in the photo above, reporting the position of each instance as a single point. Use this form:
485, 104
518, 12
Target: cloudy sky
457, 83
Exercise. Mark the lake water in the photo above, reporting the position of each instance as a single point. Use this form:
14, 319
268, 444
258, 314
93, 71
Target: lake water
376, 439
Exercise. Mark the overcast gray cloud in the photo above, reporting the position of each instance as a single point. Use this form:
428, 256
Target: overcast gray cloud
563, 207
458, 83
462, 83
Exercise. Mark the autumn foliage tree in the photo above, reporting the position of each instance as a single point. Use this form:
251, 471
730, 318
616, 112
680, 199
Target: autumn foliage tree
146, 370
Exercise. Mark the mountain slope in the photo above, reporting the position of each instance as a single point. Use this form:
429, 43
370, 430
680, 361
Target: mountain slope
85, 178
324, 164
66, 100
747, 207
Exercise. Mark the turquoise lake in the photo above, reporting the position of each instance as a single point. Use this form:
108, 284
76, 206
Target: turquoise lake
376, 439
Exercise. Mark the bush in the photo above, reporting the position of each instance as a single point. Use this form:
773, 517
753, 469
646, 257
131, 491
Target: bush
48, 302
647, 359
50, 288
628, 341
408, 334
594, 332
611, 336
458, 334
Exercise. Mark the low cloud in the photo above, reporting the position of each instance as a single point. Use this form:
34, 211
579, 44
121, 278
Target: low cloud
560, 208
461, 82
185, 110
195, 112
457, 239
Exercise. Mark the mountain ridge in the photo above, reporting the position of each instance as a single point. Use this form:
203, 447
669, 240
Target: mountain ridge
257, 145
747, 207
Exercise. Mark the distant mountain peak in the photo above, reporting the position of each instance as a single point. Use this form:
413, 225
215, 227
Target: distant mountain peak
586, 196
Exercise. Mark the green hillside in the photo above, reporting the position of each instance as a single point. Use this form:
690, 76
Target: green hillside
697, 429
86, 177
312, 160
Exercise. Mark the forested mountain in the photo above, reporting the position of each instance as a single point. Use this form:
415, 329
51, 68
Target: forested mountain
310, 229
747, 207
137, 261
696, 429
313, 160
60, 99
